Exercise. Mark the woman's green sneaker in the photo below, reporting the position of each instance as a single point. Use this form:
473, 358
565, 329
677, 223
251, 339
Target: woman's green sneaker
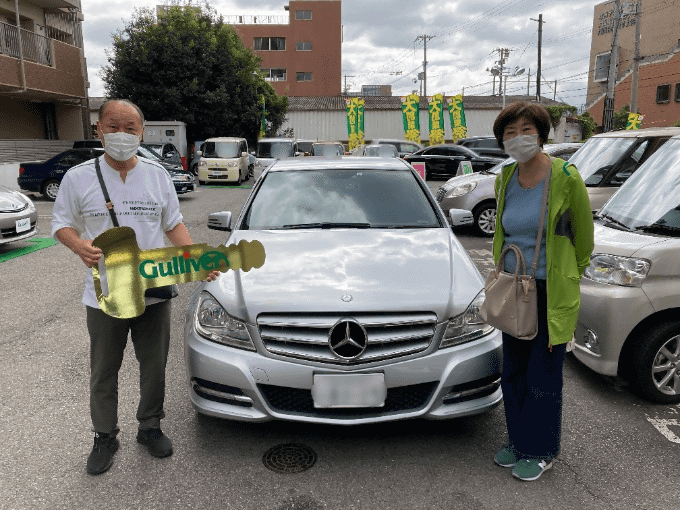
530, 469
506, 456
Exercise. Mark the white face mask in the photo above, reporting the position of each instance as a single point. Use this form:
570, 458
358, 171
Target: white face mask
522, 147
121, 146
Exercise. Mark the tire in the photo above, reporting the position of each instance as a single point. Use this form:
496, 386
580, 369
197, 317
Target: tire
202, 183
50, 189
485, 219
240, 178
655, 364
194, 170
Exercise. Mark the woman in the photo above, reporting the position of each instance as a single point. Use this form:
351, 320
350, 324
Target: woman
532, 370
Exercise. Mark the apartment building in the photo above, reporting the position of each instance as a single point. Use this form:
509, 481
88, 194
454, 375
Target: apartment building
301, 51
658, 88
43, 76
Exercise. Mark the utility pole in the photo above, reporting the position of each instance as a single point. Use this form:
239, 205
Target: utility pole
538, 70
425, 38
636, 59
528, 81
608, 113
347, 76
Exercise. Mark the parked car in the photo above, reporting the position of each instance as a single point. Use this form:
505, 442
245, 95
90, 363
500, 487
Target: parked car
606, 160
193, 165
629, 321
304, 146
327, 149
443, 160
224, 159
271, 149
404, 147
475, 192
380, 151
18, 216
375, 313
483, 145
167, 151
45, 176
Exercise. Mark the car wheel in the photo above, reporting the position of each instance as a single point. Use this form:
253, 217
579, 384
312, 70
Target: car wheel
655, 364
485, 219
194, 170
251, 171
50, 189
240, 178
202, 183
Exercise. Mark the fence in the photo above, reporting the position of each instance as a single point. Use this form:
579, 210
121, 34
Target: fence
36, 47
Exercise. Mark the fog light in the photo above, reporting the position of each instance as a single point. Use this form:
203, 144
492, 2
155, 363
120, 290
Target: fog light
591, 342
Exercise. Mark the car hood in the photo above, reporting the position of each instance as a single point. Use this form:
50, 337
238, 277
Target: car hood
382, 270
619, 242
10, 202
462, 179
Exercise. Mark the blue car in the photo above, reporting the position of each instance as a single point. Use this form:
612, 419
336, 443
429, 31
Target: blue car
45, 176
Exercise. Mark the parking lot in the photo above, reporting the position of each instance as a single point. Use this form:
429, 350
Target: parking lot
618, 451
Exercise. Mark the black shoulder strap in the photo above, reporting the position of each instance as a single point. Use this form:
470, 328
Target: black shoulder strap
109, 204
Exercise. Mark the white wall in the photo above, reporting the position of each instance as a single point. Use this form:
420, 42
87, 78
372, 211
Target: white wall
8, 175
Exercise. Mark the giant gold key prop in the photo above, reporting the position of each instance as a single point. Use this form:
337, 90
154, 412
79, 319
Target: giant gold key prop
130, 271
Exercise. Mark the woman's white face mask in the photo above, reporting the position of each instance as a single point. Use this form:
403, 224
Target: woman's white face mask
121, 146
522, 147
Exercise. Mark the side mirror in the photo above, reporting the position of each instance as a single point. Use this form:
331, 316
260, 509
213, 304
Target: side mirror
199, 153
460, 217
220, 221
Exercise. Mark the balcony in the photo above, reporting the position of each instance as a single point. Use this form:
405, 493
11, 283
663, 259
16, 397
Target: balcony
56, 4
36, 48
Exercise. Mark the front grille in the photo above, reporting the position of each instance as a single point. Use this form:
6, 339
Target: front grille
297, 401
12, 231
306, 336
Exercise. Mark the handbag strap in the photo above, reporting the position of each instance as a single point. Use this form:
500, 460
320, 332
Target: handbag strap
109, 204
541, 221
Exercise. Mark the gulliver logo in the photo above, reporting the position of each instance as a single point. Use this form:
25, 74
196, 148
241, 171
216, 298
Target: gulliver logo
209, 261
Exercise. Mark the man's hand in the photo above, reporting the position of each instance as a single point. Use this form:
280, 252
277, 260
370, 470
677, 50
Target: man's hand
70, 238
212, 276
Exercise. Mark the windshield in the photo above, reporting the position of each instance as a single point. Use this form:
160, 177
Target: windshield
381, 151
652, 194
327, 150
340, 198
148, 153
221, 150
597, 156
305, 146
276, 150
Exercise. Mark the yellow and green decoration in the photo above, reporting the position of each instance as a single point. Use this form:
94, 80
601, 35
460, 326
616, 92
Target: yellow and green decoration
355, 121
634, 121
457, 117
410, 111
435, 106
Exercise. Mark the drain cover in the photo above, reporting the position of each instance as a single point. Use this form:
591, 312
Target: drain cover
289, 458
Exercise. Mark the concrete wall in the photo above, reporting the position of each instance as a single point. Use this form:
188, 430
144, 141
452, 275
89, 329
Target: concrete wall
8, 175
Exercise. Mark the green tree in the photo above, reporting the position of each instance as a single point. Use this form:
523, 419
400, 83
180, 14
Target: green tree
621, 118
188, 65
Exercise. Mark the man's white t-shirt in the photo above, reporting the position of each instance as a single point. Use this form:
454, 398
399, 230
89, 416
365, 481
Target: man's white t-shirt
146, 202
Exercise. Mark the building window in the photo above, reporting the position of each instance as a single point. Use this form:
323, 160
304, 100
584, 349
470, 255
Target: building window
303, 76
663, 94
270, 44
274, 74
602, 66
303, 46
303, 14
677, 92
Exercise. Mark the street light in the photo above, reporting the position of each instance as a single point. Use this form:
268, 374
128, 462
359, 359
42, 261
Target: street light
516, 72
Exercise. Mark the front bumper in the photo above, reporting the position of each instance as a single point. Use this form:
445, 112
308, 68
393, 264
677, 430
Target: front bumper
609, 312
222, 174
258, 386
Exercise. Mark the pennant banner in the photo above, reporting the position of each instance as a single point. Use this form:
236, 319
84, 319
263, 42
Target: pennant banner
457, 117
634, 121
263, 121
410, 111
361, 103
435, 107
355, 121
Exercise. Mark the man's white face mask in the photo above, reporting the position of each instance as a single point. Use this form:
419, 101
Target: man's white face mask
522, 147
121, 146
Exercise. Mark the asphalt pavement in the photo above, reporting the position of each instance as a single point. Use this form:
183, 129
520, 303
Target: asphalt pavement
618, 451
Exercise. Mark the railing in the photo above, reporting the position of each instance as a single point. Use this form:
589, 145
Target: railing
36, 47
256, 19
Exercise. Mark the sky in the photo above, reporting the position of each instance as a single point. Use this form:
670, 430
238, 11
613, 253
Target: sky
381, 43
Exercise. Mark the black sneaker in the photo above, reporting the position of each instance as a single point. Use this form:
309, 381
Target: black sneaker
159, 444
101, 456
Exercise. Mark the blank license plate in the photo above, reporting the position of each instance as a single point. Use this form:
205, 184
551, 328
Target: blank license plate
23, 225
341, 390
216, 174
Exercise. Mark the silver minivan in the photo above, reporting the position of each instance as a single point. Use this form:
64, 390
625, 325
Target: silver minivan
629, 322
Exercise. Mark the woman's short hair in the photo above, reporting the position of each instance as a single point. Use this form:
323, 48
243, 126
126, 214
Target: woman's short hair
534, 113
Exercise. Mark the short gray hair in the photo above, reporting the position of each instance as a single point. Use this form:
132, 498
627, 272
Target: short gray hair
106, 103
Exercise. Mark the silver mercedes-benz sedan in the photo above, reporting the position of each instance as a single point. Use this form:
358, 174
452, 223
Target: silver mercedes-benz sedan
366, 308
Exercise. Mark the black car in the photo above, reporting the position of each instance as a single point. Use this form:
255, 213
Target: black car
45, 177
483, 145
443, 160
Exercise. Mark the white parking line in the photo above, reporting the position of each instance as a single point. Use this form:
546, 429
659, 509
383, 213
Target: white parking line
662, 426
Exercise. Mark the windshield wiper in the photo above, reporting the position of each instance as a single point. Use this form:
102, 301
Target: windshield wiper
615, 221
658, 226
327, 225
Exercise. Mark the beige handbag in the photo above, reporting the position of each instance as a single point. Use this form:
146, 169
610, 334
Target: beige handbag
510, 303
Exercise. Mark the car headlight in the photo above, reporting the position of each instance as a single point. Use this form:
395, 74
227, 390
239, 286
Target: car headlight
24, 197
461, 189
616, 270
202, 163
232, 164
467, 326
213, 323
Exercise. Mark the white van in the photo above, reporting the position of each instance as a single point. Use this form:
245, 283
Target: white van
223, 160
165, 132
629, 321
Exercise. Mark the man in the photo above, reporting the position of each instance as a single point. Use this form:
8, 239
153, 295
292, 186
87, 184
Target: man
144, 199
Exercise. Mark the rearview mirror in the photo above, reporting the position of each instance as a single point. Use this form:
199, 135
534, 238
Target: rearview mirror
460, 217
